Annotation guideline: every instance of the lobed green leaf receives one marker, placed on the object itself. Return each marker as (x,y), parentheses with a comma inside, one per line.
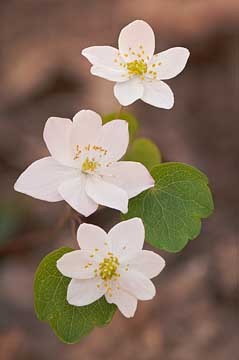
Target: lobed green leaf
(173,209)
(70,323)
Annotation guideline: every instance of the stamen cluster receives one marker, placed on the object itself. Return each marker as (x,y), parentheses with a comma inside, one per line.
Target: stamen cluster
(108,267)
(137,67)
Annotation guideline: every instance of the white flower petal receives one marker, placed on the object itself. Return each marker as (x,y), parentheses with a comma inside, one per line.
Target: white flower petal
(109,74)
(129,91)
(92,237)
(114,137)
(87,125)
(107,194)
(42,179)
(107,62)
(77,265)
(158,94)
(86,122)
(131,176)
(147,262)
(127,237)
(125,302)
(137,284)
(137,38)
(84,292)
(73,192)
(102,56)
(170,63)
(56,134)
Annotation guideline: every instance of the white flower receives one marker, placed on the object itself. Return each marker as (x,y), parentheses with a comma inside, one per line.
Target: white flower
(83,168)
(134,67)
(113,265)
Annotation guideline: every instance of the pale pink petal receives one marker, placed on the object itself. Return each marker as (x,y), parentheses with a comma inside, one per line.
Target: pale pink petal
(137,284)
(107,194)
(42,179)
(127,237)
(86,128)
(77,265)
(73,192)
(86,123)
(137,41)
(93,238)
(131,176)
(114,138)
(84,292)
(125,302)
(128,91)
(158,94)
(168,64)
(56,134)
(106,62)
(147,262)
(106,56)
(109,74)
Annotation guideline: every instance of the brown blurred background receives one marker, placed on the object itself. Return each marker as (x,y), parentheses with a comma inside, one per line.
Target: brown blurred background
(195,313)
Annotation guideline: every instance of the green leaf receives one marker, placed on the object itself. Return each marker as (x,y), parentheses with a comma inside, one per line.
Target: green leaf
(131,119)
(144,151)
(70,323)
(171,211)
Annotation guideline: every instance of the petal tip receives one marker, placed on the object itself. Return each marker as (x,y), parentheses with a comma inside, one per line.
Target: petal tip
(70,300)
(187,51)
(125,210)
(15,186)
(58,264)
(84,51)
(93,70)
(170,106)
(151,181)
(19,185)
(129,315)
(139,21)
(163,262)
(138,219)
(80,228)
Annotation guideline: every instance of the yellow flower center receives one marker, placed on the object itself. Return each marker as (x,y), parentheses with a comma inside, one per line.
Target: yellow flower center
(108,267)
(137,67)
(89,165)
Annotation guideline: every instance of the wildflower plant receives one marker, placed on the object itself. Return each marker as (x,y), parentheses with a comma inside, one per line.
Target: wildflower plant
(98,161)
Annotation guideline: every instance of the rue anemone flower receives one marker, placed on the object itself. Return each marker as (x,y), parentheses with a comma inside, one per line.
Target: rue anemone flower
(138,73)
(83,168)
(113,265)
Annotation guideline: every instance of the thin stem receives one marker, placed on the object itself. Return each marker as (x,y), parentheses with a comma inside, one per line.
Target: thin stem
(119,112)
(73,228)
(62,220)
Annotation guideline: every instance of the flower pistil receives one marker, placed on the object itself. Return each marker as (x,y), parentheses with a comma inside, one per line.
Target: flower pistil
(89,165)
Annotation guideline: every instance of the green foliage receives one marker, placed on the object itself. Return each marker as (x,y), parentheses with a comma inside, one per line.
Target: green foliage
(70,323)
(144,151)
(171,211)
(131,119)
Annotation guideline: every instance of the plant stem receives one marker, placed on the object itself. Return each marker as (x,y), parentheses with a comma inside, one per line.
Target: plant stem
(119,112)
